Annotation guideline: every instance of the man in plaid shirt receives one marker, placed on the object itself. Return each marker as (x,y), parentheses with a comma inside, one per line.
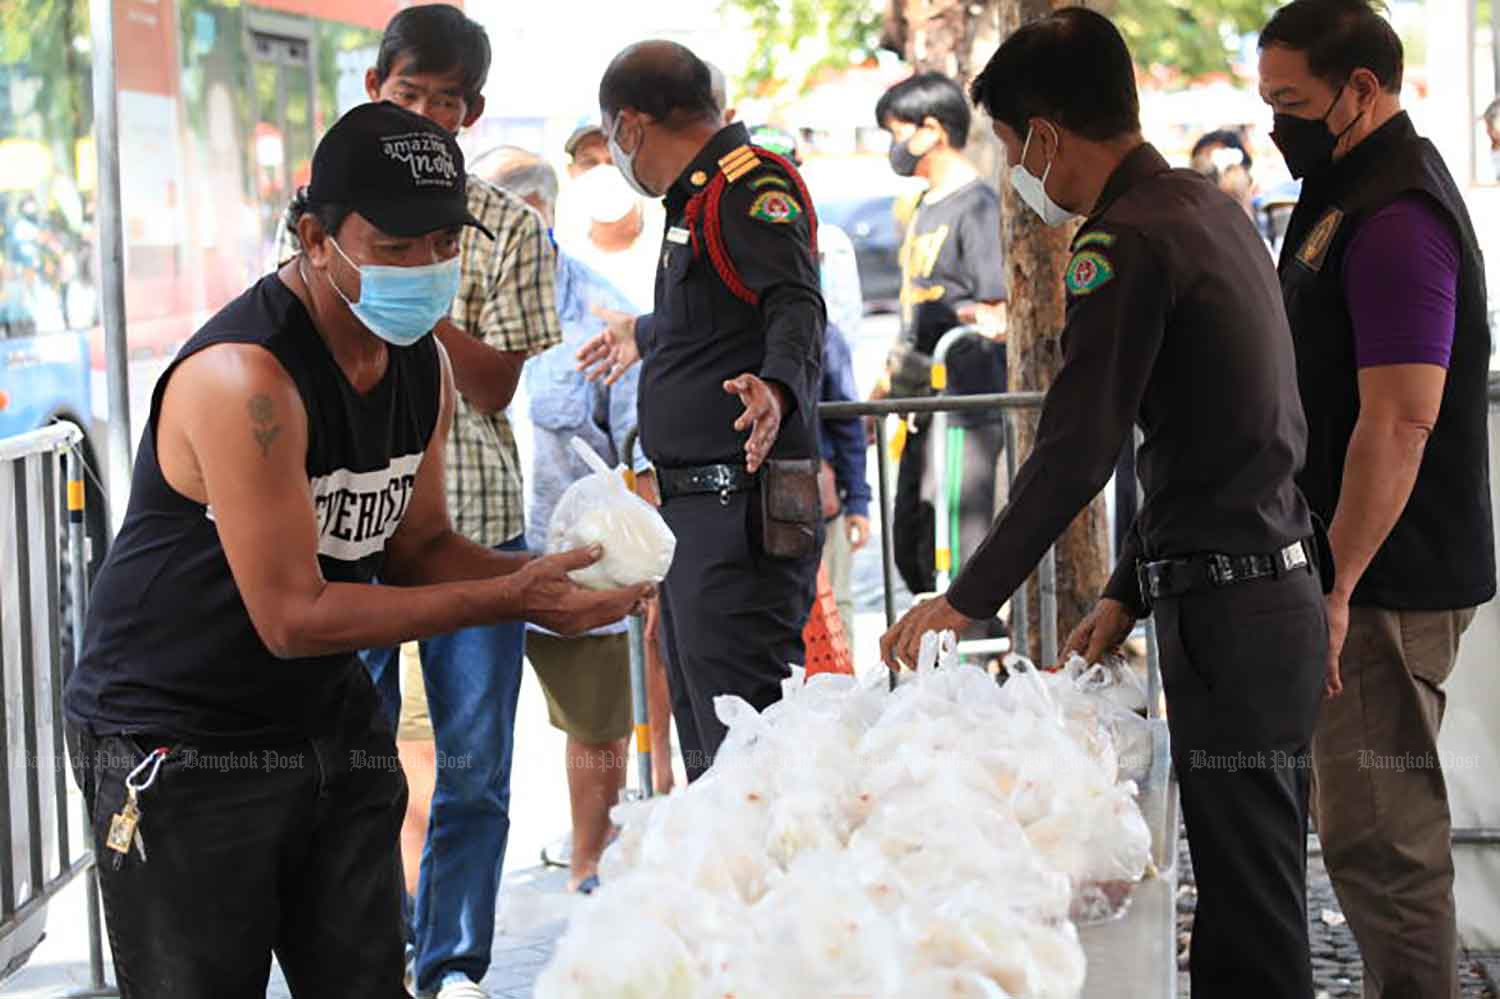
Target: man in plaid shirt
(433,60)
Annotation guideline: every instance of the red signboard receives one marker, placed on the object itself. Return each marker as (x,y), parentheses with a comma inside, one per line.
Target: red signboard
(365,13)
(146,26)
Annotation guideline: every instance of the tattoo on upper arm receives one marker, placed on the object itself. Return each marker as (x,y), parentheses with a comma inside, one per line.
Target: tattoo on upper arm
(266,429)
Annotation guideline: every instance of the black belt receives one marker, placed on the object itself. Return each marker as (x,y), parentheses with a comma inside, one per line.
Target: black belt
(1174,577)
(723,480)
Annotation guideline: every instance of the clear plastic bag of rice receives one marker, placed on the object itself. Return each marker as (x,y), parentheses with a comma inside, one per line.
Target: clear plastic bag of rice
(600,509)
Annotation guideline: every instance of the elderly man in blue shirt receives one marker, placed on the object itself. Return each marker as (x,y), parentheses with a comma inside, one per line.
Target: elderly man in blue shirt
(586,680)
(843,441)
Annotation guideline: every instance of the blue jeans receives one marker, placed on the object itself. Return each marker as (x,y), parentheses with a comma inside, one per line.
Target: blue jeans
(473,681)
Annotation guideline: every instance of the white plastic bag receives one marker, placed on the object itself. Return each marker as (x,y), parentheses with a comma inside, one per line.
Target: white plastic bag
(934,840)
(599,509)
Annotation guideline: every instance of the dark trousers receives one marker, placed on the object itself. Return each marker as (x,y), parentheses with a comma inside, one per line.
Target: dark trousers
(732,616)
(913,515)
(1243,669)
(253,851)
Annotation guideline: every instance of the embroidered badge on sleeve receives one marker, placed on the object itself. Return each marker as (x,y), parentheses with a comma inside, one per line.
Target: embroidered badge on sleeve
(775,206)
(1088,271)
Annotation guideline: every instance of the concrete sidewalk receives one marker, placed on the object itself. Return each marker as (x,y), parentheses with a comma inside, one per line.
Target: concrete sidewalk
(539,815)
(531,920)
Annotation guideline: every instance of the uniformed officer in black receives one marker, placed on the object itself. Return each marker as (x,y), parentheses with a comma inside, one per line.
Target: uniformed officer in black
(729,384)
(1175,322)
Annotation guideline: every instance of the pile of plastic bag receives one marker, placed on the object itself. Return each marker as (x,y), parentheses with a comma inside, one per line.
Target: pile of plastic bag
(937,840)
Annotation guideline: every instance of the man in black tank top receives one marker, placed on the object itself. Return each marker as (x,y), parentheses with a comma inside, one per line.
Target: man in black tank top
(223,726)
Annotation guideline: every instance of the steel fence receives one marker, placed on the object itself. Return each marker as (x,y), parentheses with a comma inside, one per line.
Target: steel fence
(41,850)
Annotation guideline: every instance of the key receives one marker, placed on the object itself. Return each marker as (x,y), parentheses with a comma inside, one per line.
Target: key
(140,844)
(122,828)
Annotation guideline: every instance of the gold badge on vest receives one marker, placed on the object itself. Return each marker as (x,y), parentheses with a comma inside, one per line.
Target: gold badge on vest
(1315,247)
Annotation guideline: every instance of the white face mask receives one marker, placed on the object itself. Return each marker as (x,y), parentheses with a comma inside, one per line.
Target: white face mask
(1033,189)
(625,163)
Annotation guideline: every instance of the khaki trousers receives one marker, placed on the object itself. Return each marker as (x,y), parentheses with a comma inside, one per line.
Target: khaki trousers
(838,559)
(1381,804)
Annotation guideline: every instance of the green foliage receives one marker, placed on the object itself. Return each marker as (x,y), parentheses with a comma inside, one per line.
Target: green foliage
(797,39)
(39,46)
(1193,37)
(794,39)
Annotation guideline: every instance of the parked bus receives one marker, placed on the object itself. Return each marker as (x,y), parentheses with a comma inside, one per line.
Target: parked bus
(220,105)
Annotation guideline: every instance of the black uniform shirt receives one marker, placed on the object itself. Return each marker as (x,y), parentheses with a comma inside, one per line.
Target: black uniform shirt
(1175,320)
(701,334)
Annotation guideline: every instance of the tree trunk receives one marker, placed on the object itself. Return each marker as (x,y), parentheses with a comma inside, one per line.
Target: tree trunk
(1035,257)
(957,37)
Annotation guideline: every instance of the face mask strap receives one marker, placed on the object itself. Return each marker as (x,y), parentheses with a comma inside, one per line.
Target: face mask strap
(1335,103)
(1352,122)
(1047,170)
(1026,146)
(614,136)
(328,273)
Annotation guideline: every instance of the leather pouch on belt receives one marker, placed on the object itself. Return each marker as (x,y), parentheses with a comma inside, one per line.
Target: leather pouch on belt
(792,508)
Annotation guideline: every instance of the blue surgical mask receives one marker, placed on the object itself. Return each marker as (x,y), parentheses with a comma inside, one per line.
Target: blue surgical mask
(401,305)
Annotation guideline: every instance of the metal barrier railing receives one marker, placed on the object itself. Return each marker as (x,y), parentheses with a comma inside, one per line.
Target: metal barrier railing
(640,700)
(941,406)
(31,685)
(1007,403)
(949,471)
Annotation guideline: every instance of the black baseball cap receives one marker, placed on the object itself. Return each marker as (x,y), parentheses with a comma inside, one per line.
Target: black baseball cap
(402,172)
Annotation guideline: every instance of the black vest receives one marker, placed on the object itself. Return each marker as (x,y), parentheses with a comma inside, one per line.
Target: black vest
(1441,553)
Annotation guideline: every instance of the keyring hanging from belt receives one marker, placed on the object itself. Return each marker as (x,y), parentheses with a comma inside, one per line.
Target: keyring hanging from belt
(153,760)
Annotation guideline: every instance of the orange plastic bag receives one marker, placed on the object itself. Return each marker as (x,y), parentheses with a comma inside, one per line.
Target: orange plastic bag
(823,635)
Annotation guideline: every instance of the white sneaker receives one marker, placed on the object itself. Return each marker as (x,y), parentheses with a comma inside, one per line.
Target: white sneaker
(461,988)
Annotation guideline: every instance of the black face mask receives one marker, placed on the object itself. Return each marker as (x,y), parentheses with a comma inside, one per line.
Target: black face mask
(1306,143)
(903,160)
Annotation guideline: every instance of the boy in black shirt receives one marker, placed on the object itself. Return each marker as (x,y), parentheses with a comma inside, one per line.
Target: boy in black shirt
(952,274)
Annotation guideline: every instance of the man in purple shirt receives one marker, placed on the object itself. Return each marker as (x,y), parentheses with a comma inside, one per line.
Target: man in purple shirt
(1400,280)
(1384,287)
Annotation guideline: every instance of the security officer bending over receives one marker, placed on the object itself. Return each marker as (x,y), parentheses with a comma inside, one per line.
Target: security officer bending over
(1175,321)
(729,388)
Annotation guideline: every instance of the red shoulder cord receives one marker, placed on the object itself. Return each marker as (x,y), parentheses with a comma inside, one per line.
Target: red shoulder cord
(705,206)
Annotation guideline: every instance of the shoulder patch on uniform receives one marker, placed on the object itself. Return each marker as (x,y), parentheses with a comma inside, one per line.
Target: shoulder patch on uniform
(775,206)
(1314,249)
(1094,239)
(769,180)
(1088,271)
